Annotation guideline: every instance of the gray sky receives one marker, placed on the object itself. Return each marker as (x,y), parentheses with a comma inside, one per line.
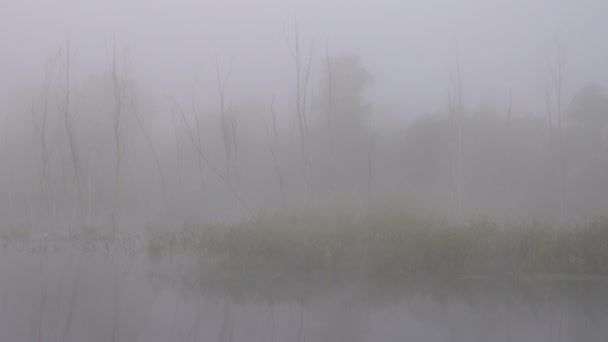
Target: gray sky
(408,45)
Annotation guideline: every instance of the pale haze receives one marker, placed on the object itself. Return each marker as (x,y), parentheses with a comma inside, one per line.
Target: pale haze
(303,171)
(408,45)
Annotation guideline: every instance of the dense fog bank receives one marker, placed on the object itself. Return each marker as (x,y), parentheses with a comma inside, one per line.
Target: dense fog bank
(107,123)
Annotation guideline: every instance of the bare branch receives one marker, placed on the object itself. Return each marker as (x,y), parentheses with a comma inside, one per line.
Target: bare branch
(227,117)
(272,146)
(119,88)
(201,153)
(329,96)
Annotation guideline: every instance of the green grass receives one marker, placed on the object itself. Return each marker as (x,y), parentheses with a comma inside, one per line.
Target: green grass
(388,245)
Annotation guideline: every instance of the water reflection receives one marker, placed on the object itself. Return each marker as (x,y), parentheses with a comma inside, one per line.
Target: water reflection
(110,292)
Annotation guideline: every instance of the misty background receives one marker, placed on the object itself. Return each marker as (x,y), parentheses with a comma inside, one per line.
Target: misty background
(118,112)
(303,170)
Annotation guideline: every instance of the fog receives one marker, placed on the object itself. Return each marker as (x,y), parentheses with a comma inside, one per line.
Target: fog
(407,46)
(151,123)
(505,54)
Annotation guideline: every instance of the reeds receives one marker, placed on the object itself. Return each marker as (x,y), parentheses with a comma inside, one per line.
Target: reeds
(389,244)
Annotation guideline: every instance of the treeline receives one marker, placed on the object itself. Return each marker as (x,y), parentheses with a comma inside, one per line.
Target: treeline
(99,151)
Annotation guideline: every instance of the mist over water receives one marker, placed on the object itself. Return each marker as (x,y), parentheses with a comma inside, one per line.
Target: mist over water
(77,294)
(303,170)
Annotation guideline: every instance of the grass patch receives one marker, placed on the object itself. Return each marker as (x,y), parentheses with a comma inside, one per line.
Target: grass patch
(388,245)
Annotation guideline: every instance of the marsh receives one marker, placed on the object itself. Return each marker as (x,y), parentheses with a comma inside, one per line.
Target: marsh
(303,170)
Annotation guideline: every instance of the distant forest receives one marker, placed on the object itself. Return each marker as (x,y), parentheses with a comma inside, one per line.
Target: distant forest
(99,151)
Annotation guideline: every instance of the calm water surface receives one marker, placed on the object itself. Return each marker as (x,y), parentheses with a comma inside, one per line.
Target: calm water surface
(61,292)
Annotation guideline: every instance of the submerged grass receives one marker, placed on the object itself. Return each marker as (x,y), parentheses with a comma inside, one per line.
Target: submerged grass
(388,245)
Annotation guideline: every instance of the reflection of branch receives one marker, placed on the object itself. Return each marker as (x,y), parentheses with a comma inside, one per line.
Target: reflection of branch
(194,330)
(116,303)
(272,321)
(71,306)
(201,153)
(43,300)
(225,321)
(301,328)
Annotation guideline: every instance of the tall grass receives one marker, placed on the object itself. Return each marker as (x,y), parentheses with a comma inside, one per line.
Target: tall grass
(389,245)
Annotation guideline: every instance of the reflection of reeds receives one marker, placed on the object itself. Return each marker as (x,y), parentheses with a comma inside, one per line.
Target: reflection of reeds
(272,321)
(36,329)
(87,241)
(71,305)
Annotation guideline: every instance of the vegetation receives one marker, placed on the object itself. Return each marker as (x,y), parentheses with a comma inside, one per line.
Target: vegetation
(106,151)
(389,245)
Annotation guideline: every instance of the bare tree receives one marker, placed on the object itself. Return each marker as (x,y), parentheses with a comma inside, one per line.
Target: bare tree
(150,144)
(330,102)
(40,120)
(273,147)
(199,139)
(548,106)
(119,91)
(295,53)
(303,68)
(199,150)
(556,68)
(330,119)
(306,115)
(199,142)
(456,117)
(233,115)
(228,117)
(508,159)
(69,119)
(177,150)
(9,180)
(370,169)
